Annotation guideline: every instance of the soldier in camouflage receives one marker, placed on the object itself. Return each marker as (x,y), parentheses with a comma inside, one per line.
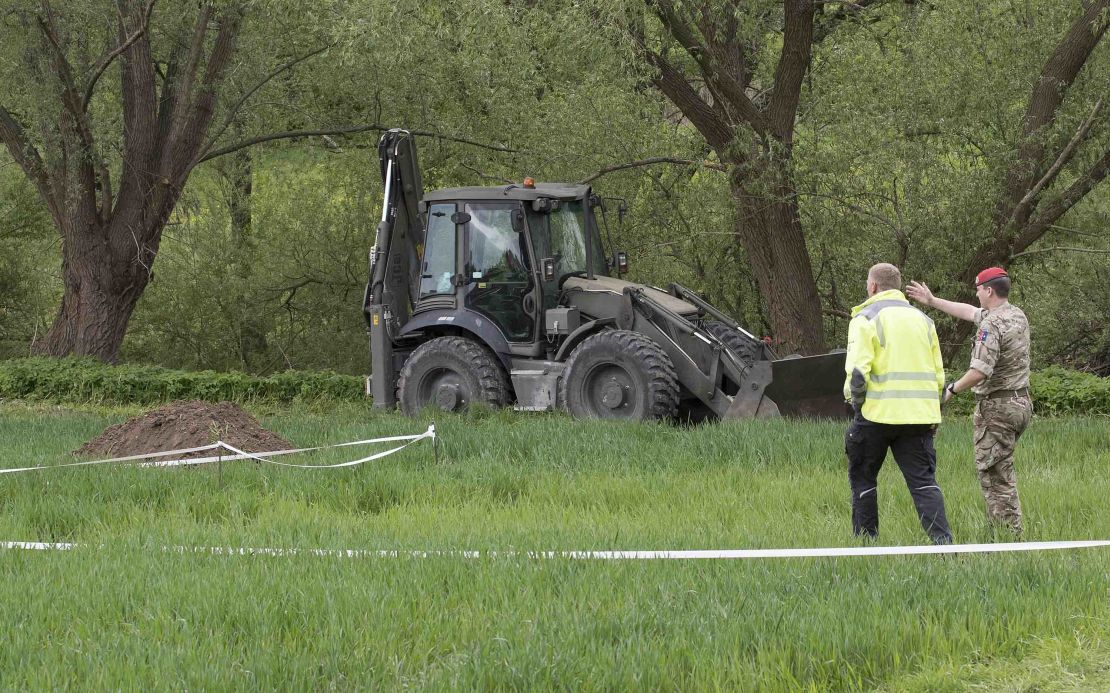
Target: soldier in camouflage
(999,378)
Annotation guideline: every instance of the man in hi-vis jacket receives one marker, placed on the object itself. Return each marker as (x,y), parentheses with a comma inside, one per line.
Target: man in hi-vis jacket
(894,381)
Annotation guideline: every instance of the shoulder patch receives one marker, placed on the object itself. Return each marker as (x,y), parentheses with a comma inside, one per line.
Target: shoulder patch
(983,335)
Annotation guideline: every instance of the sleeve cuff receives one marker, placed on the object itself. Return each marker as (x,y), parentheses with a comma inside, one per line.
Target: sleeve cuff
(982,366)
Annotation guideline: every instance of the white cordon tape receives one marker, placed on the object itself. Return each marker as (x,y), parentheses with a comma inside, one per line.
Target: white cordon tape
(114,460)
(238,454)
(833,552)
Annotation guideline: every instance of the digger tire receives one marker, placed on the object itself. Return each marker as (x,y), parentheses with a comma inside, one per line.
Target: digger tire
(749,350)
(451,373)
(618,374)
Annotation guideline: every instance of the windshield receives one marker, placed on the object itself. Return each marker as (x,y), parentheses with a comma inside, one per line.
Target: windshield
(568,242)
(568,237)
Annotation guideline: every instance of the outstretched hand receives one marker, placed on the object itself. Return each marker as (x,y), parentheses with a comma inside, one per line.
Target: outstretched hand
(919,292)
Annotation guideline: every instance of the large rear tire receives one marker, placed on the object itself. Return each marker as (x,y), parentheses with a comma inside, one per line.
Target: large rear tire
(619,374)
(451,373)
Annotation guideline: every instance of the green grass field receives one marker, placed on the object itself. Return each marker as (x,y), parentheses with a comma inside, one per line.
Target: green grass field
(123,614)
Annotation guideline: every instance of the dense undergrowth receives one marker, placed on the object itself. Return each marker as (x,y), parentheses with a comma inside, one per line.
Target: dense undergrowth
(1056,391)
(77,380)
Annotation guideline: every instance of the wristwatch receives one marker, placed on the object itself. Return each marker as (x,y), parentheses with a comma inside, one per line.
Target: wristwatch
(950,388)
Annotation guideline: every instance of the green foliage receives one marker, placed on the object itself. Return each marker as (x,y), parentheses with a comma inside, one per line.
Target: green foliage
(908,119)
(25,255)
(1057,391)
(1065,294)
(285,293)
(909,123)
(89,380)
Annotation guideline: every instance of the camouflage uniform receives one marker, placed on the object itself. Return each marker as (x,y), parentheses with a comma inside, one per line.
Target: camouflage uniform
(1003,409)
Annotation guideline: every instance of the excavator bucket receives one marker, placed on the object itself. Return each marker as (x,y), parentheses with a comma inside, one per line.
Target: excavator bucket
(809,386)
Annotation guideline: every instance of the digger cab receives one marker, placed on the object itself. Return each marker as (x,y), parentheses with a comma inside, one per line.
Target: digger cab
(496,257)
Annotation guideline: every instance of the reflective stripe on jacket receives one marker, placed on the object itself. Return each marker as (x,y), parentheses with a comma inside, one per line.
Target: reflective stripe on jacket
(893,364)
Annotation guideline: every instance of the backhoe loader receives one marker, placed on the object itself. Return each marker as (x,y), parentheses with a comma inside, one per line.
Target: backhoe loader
(505,296)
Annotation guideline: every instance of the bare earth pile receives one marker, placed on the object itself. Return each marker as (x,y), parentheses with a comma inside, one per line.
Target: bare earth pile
(186,424)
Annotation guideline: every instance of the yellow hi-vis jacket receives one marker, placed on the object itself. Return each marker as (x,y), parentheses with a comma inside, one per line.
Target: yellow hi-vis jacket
(893,364)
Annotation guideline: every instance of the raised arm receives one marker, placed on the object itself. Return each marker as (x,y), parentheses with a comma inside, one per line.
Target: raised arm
(921,293)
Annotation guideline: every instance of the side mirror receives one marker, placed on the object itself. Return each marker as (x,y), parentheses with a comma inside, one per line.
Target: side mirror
(518,220)
(620,261)
(548,269)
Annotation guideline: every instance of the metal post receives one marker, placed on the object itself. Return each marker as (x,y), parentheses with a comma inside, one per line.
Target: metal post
(435,443)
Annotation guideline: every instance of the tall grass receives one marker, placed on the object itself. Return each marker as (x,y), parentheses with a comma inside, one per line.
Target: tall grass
(127,615)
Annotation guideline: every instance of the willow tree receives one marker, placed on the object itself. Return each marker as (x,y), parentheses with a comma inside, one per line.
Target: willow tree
(108,108)
(952,136)
(1051,169)
(735,71)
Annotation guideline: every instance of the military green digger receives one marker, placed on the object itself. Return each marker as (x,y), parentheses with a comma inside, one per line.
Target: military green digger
(504,296)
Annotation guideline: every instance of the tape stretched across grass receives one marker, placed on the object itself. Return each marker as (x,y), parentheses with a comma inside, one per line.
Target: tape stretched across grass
(830,552)
(150,459)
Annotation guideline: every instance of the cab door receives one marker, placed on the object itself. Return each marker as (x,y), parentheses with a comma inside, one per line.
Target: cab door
(498,273)
(438,257)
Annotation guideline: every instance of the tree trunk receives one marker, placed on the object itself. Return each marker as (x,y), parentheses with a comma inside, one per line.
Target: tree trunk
(251,327)
(770,232)
(109,240)
(718,102)
(103,281)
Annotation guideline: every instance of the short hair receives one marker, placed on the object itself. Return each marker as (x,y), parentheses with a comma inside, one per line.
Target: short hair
(886,276)
(1001,286)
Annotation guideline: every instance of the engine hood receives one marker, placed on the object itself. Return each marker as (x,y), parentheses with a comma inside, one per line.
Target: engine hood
(617,286)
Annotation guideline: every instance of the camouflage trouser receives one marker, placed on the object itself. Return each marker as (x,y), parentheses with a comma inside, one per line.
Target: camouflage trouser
(998,425)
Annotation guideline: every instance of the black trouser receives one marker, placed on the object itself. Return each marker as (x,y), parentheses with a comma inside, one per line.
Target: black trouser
(867,443)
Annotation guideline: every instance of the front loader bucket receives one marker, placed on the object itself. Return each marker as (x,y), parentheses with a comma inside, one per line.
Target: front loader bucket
(809,386)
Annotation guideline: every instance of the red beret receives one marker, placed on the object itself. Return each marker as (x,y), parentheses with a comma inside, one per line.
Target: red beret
(989,274)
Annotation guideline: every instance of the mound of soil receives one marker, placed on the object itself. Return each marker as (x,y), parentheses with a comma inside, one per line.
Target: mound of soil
(185,424)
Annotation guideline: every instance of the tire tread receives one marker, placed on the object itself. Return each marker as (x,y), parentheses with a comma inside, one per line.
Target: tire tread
(662,379)
(493,383)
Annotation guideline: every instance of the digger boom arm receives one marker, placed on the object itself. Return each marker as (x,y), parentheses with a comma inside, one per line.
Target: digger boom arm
(702,361)
(394,259)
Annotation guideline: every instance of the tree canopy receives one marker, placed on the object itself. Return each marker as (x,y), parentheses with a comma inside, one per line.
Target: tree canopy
(206,174)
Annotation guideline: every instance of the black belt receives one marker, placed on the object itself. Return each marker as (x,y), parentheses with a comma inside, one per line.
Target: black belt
(1006,394)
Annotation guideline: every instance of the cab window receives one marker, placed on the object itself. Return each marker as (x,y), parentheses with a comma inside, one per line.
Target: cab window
(497,269)
(438,265)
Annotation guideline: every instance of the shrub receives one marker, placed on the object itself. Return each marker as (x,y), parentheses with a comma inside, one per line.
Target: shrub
(88,380)
(1056,391)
